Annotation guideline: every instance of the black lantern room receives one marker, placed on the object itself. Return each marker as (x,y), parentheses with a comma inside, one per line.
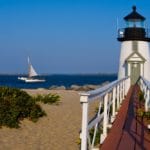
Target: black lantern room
(135,29)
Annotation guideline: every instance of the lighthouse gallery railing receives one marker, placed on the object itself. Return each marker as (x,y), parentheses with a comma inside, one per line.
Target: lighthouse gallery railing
(109,97)
(121,32)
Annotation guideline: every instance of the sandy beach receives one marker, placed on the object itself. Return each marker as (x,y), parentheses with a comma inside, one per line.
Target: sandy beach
(58,130)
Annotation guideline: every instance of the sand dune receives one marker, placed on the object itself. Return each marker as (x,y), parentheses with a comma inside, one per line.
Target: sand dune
(58,130)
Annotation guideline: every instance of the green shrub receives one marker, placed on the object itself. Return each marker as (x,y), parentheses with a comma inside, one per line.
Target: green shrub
(98,134)
(16,105)
(48,99)
(141,96)
(36,112)
(147,115)
(140,112)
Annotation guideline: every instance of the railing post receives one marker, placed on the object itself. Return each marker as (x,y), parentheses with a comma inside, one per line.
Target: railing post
(118,104)
(141,85)
(123,89)
(114,105)
(84,132)
(145,91)
(147,100)
(121,96)
(105,120)
(127,85)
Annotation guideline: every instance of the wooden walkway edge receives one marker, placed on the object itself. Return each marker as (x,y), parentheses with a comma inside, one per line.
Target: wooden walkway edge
(128,132)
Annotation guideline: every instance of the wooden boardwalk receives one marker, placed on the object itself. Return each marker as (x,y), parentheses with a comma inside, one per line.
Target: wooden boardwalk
(128,131)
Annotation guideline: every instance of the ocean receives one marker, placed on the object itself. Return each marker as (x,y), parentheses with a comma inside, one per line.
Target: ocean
(57,80)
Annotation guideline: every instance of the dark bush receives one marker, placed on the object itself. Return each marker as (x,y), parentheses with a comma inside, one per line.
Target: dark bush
(141,96)
(36,112)
(16,105)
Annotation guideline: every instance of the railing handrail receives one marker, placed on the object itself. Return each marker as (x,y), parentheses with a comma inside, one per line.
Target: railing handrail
(102,90)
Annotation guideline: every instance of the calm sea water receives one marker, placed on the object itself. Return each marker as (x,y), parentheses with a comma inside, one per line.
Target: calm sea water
(58,80)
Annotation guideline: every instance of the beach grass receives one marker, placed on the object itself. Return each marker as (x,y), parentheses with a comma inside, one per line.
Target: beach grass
(47,99)
(15,105)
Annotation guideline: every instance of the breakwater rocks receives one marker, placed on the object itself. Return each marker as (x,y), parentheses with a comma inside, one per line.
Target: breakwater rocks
(87,87)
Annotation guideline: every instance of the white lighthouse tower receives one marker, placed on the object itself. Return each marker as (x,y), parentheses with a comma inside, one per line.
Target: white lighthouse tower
(134,55)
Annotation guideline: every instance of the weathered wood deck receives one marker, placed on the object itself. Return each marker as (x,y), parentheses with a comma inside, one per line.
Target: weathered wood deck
(128,131)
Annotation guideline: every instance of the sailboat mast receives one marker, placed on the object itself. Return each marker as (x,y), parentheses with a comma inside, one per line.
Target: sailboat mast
(29,67)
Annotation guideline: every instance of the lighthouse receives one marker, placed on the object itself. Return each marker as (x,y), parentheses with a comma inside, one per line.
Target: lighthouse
(134,54)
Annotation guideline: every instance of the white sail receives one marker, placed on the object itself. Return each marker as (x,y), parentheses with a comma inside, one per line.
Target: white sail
(32,71)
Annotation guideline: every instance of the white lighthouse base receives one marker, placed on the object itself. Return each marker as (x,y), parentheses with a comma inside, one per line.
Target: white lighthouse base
(134,61)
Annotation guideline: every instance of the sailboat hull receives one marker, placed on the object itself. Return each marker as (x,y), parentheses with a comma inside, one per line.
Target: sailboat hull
(30,80)
(22,78)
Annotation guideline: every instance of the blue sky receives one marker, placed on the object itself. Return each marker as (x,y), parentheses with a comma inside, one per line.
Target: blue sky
(63,36)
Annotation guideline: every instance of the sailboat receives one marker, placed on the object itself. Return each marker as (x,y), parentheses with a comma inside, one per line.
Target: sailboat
(31,74)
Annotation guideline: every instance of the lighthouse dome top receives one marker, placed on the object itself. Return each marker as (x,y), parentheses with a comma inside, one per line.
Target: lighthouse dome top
(134,15)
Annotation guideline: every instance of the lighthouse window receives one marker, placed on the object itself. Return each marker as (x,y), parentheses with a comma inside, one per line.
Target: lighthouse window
(134,46)
(132,24)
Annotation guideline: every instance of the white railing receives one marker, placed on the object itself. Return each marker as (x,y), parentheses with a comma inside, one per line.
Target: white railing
(145,87)
(110,98)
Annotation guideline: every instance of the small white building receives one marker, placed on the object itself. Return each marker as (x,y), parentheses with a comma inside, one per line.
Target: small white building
(134,55)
